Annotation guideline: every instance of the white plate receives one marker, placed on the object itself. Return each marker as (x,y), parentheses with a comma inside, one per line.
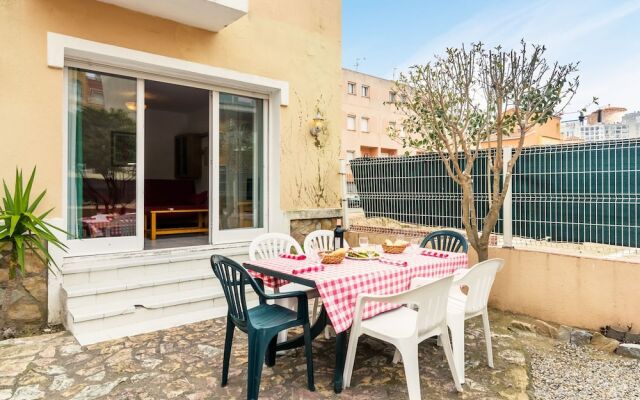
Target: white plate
(362,259)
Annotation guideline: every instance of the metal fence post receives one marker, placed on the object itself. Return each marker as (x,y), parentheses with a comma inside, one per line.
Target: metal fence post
(345,197)
(507,218)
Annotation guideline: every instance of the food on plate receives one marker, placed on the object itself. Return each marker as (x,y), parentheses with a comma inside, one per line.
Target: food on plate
(363,254)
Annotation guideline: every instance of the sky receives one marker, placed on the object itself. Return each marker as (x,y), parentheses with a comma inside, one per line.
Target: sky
(386,36)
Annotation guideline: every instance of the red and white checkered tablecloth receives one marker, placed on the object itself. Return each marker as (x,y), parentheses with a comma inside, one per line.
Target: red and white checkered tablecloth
(339,285)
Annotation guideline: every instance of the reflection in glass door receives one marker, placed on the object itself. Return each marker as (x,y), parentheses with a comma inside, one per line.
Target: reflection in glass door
(102,134)
(241,160)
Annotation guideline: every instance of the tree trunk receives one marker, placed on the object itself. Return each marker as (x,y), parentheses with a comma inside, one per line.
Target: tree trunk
(483,251)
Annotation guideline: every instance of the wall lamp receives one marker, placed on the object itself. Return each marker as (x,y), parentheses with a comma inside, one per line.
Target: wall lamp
(318,124)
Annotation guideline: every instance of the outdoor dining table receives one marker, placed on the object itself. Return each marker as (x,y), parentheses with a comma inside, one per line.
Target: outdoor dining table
(340,284)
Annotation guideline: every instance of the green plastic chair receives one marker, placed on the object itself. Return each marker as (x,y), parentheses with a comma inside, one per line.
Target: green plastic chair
(446,240)
(261,323)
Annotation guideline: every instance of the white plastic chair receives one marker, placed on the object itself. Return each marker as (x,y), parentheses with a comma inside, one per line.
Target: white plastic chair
(405,328)
(478,280)
(271,245)
(314,242)
(320,240)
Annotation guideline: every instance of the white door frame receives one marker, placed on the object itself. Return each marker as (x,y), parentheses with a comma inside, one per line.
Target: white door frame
(240,234)
(64,51)
(87,246)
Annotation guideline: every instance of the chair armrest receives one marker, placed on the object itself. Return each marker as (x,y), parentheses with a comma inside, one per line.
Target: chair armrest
(303,307)
(398,299)
(460,273)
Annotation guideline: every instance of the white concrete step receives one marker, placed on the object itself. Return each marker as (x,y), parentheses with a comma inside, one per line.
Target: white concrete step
(106,297)
(81,270)
(106,292)
(92,323)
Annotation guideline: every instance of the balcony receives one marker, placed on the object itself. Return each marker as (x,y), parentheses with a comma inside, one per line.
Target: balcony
(212,15)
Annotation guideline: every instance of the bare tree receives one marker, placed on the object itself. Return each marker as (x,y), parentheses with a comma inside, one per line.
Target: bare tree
(472,99)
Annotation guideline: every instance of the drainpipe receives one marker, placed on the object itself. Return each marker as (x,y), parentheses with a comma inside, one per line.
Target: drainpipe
(345,200)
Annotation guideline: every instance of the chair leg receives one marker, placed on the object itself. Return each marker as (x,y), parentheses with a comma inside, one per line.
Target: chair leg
(456,325)
(228,340)
(270,356)
(327,332)
(309,355)
(411,370)
(487,336)
(397,357)
(446,345)
(350,359)
(257,347)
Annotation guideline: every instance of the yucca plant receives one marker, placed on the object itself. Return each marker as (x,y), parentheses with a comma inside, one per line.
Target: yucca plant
(22,227)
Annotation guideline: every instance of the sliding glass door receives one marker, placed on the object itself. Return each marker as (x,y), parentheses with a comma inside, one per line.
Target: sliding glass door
(205,155)
(241,167)
(103,132)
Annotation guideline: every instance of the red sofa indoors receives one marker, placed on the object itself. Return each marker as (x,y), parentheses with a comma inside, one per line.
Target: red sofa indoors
(179,194)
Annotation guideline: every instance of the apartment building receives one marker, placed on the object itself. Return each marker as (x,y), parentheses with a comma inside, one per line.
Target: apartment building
(608,123)
(367,117)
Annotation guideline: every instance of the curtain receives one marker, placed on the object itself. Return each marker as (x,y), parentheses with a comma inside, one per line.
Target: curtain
(75,162)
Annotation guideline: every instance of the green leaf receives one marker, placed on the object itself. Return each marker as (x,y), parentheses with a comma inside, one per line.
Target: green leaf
(8,199)
(36,202)
(14,223)
(27,190)
(22,227)
(18,248)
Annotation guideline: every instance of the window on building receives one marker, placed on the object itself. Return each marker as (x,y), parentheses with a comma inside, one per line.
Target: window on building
(351,88)
(365,91)
(351,154)
(388,152)
(392,96)
(364,124)
(351,122)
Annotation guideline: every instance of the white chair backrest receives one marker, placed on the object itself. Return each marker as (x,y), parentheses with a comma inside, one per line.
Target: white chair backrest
(271,245)
(479,280)
(432,302)
(321,240)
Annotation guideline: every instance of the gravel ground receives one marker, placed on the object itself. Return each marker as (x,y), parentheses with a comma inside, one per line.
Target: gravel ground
(566,371)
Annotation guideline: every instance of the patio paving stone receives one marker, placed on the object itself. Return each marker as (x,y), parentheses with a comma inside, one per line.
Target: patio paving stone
(185,363)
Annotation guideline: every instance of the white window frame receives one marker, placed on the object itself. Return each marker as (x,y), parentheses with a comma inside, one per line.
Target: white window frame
(66,51)
(104,244)
(351,117)
(366,124)
(351,85)
(365,91)
(351,154)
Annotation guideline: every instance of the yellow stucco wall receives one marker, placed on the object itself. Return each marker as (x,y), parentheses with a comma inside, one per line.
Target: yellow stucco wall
(291,40)
(572,290)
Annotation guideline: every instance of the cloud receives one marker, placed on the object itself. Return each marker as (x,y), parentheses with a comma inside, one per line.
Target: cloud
(572,30)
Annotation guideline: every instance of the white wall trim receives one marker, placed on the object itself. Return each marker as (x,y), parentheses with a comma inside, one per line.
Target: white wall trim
(61,47)
(65,50)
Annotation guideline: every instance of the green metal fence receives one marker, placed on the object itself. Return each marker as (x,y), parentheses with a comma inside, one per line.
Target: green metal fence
(573,193)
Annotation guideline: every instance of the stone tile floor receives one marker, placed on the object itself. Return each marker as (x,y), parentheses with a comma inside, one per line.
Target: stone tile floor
(185,363)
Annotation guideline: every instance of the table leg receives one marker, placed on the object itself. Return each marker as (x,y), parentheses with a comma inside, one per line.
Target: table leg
(341,352)
(153,225)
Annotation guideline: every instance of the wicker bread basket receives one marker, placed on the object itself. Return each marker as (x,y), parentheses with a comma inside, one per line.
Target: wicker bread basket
(328,258)
(393,249)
